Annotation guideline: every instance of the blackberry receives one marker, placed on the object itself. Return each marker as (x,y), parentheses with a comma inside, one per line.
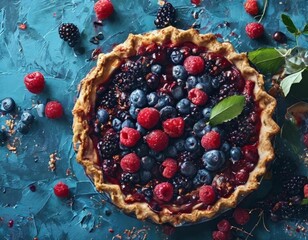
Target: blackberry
(284,167)
(182,184)
(109,167)
(109,145)
(109,99)
(69,32)
(130,178)
(295,185)
(289,211)
(185,156)
(165,16)
(226,90)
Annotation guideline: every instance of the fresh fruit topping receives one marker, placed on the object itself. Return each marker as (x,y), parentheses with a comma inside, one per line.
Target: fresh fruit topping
(109,144)
(235,153)
(197,96)
(179,72)
(224,225)
(7,105)
(147,163)
(138,98)
(213,160)
(69,32)
(250,153)
(203,177)
(170,167)
(176,56)
(254,30)
(109,167)
(306,191)
(61,190)
(207,194)
(157,140)
(103,9)
(148,117)
(194,65)
(129,137)
(163,191)
(188,169)
(241,216)
(191,144)
(53,110)
(280,37)
(130,163)
(174,127)
(35,82)
(102,116)
(165,16)
(211,140)
(183,106)
(241,177)
(251,7)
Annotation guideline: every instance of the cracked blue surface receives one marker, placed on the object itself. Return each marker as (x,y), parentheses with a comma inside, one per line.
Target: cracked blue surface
(38,48)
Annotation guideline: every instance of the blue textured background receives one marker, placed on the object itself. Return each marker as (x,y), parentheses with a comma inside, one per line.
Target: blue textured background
(38,48)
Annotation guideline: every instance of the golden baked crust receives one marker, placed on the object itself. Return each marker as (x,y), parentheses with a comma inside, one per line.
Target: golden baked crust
(108,63)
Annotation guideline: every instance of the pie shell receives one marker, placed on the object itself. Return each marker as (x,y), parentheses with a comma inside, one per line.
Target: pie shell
(107,63)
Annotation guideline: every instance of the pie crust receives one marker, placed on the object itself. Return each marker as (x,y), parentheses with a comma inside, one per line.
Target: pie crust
(108,63)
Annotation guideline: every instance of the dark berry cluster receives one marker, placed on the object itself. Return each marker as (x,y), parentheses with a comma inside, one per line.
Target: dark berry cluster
(69,32)
(165,16)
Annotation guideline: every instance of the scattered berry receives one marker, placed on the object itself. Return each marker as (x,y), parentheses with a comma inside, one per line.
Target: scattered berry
(280,37)
(53,110)
(197,96)
(130,163)
(207,194)
(61,190)
(148,117)
(69,32)
(163,191)
(157,140)
(196,2)
(251,7)
(294,186)
(211,140)
(26,117)
(241,216)
(170,167)
(224,225)
(254,30)
(174,127)
(7,105)
(165,16)
(3,136)
(35,82)
(129,137)
(219,235)
(306,191)
(194,65)
(103,9)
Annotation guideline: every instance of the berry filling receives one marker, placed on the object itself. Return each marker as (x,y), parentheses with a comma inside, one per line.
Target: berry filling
(152,132)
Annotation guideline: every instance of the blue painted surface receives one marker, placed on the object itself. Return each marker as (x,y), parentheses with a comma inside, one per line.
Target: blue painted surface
(38,48)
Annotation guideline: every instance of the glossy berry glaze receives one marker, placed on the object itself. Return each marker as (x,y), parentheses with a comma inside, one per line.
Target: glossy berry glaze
(151,128)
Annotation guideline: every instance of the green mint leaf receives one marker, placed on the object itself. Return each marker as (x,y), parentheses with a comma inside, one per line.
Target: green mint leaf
(304,201)
(291,134)
(227,109)
(305,30)
(267,60)
(290,24)
(287,82)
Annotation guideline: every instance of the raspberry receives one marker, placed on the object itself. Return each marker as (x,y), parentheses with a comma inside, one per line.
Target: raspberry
(194,65)
(254,30)
(241,216)
(170,167)
(219,235)
(207,194)
(306,191)
(34,82)
(211,140)
(148,117)
(196,2)
(157,140)
(69,32)
(129,137)
(130,163)
(103,9)
(174,127)
(53,110)
(306,140)
(197,96)
(61,190)
(251,7)
(224,225)
(163,191)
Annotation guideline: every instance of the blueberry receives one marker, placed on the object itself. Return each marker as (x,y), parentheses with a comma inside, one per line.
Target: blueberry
(180,144)
(138,98)
(145,177)
(3,136)
(7,105)
(188,169)
(199,127)
(102,116)
(191,144)
(215,83)
(22,128)
(124,148)
(128,123)
(177,92)
(147,162)
(133,111)
(203,177)
(191,82)
(142,150)
(152,99)
(163,101)
(183,106)
(141,129)
(208,128)
(116,124)
(235,153)
(167,112)
(159,156)
(206,112)
(176,56)
(205,85)
(225,148)
(156,68)
(27,118)
(213,160)
(204,79)
(179,72)
(171,151)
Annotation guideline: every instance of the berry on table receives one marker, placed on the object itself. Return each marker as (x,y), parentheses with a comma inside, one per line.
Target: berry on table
(251,7)
(197,96)
(34,82)
(148,117)
(220,235)
(224,225)
(254,30)
(174,127)
(207,194)
(165,16)
(241,216)
(157,140)
(103,9)
(22,127)
(7,105)
(164,191)
(53,110)
(170,167)
(26,117)
(211,140)
(69,32)
(280,37)
(130,163)
(61,190)
(194,65)
(129,137)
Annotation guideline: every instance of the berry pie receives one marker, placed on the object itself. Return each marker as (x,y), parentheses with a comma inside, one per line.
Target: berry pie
(142,126)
